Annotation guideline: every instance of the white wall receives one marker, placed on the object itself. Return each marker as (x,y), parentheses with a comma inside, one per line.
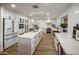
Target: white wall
(1,28)
(42,23)
(73,18)
(54,21)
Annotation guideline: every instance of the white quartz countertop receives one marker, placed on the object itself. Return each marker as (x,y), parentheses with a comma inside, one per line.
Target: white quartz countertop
(30,34)
(70,45)
(54,29)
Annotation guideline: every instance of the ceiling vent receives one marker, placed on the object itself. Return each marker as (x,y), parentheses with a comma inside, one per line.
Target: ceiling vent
(35,6)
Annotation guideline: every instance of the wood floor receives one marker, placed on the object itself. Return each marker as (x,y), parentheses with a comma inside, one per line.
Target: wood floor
(45,47)
(11,50)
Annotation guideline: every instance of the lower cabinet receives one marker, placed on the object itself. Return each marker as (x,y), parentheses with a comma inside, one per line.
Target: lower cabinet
(27,46)
(56,43)
(58,46)
(24,46)
(60,50)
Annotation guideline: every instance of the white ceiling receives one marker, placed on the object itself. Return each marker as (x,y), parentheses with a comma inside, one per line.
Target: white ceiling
(55,9)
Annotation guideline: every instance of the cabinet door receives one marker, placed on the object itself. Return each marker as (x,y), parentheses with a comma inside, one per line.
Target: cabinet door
(37,39)
(60,50)
(24,46)
(40,36)
(33,44)
(56,43)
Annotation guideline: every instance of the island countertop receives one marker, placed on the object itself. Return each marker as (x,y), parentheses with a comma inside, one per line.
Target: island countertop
(70,45)
(30,34)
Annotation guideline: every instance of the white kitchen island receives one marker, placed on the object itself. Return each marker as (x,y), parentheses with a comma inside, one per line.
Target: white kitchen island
(70,46)
(27,43)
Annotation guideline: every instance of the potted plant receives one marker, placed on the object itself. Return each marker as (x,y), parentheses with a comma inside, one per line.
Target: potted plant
(64,26)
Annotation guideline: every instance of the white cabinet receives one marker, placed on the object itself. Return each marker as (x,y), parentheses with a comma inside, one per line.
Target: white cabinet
(24,46)
(27,45)
(58,46)
(56,43)
(35,41)
(55,40)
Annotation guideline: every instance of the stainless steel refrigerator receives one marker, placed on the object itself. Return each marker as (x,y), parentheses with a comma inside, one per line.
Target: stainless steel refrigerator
(9,34)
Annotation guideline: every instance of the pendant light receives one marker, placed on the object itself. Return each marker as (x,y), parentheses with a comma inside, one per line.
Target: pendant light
(48,18)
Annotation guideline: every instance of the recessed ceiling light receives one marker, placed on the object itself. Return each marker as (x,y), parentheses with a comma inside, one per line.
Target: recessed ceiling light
(13,5)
